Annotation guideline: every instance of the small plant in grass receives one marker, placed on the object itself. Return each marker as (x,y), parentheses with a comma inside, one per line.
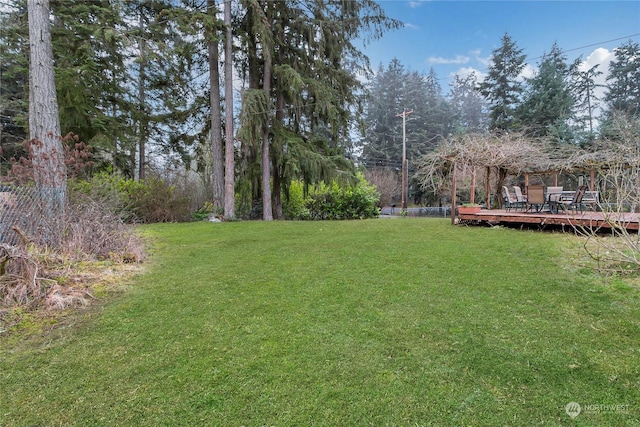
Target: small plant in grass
(204,212)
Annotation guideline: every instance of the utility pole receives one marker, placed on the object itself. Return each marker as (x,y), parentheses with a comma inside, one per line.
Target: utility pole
(404,115)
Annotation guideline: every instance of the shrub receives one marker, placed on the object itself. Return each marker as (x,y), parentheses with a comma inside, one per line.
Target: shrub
(332,201)
(159,201)
(152,200)
(295,206)
(112,188)
(58,272)
(204,212)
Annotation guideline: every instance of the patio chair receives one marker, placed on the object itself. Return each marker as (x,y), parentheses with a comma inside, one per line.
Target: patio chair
(521,197)
(576,202)
(554,195)
(510,199)
(535,198)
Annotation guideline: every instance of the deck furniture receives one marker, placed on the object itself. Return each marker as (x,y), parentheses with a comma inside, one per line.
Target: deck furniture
(511,200)
(535,198)
(521,197)
(554,195)
(576,202)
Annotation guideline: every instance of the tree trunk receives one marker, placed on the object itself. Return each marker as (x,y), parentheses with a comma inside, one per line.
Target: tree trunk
(276,196)
(216,124)
(267,211)
(277,172)
(49,169)
(142,119)
(229,172)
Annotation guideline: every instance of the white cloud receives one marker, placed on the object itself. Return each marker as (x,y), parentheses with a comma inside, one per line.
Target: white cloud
(459,59)
(465,72)
(484,60)
(601,57)
(527,72)
(414,4)
(411,26)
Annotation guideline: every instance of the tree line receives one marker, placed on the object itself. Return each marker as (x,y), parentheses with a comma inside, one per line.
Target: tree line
(141,82)
(559,103)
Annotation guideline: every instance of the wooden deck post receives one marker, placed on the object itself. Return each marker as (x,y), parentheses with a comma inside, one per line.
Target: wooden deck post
(488,189)
(453,194)
(472,190)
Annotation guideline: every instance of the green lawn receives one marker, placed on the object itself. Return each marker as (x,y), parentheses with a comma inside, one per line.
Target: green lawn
(390,322)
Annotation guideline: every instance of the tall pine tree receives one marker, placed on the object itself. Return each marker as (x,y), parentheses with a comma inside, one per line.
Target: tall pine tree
(315,88)
(468,106)
(501,88)
(548,103)
(623,94)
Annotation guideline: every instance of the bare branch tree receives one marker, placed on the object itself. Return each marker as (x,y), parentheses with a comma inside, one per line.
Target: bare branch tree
(499,153)
(618,169)
(387,183)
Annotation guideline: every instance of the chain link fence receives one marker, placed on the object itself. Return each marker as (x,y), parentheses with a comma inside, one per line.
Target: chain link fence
(19,208)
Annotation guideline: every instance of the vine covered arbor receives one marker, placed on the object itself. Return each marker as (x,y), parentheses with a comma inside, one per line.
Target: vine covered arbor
(472,168)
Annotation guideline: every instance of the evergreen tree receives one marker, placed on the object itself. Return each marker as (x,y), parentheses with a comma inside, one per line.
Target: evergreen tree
(586,101)
(392,91)
(501,88)
(119,79)
(549,100)
(468,106)
(213,29)
(383,137)
(439,115)
(47,155)
(623,94)
(14,81)
(91,76)
(315,87)
(229,154)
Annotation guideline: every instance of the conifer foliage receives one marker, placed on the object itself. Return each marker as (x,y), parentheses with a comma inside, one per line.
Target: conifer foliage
(138,81)
(501,87)
(132,82)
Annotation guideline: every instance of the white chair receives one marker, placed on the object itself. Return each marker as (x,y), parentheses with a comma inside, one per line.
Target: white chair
(510,199)
(521,197)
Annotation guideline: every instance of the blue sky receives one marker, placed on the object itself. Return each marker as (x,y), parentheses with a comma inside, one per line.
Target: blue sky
(459,36)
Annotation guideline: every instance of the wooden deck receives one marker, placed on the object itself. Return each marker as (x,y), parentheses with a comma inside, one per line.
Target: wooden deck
(591,219)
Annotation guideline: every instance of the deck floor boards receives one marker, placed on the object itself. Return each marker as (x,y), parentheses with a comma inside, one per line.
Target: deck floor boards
(592,219)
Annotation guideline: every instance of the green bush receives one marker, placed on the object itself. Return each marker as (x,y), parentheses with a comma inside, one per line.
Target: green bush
(204,212)
(332,201)
(159,201)
(295,207)
(109,188)
(152,200)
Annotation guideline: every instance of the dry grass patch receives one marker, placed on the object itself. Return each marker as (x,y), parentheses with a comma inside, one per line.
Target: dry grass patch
(38,288)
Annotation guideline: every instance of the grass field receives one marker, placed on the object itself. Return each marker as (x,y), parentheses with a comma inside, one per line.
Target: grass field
(390,322)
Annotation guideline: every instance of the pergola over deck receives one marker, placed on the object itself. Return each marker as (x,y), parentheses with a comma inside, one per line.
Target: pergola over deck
(513,154)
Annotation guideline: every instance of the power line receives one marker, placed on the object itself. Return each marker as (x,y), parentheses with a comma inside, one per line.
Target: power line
(563,51)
